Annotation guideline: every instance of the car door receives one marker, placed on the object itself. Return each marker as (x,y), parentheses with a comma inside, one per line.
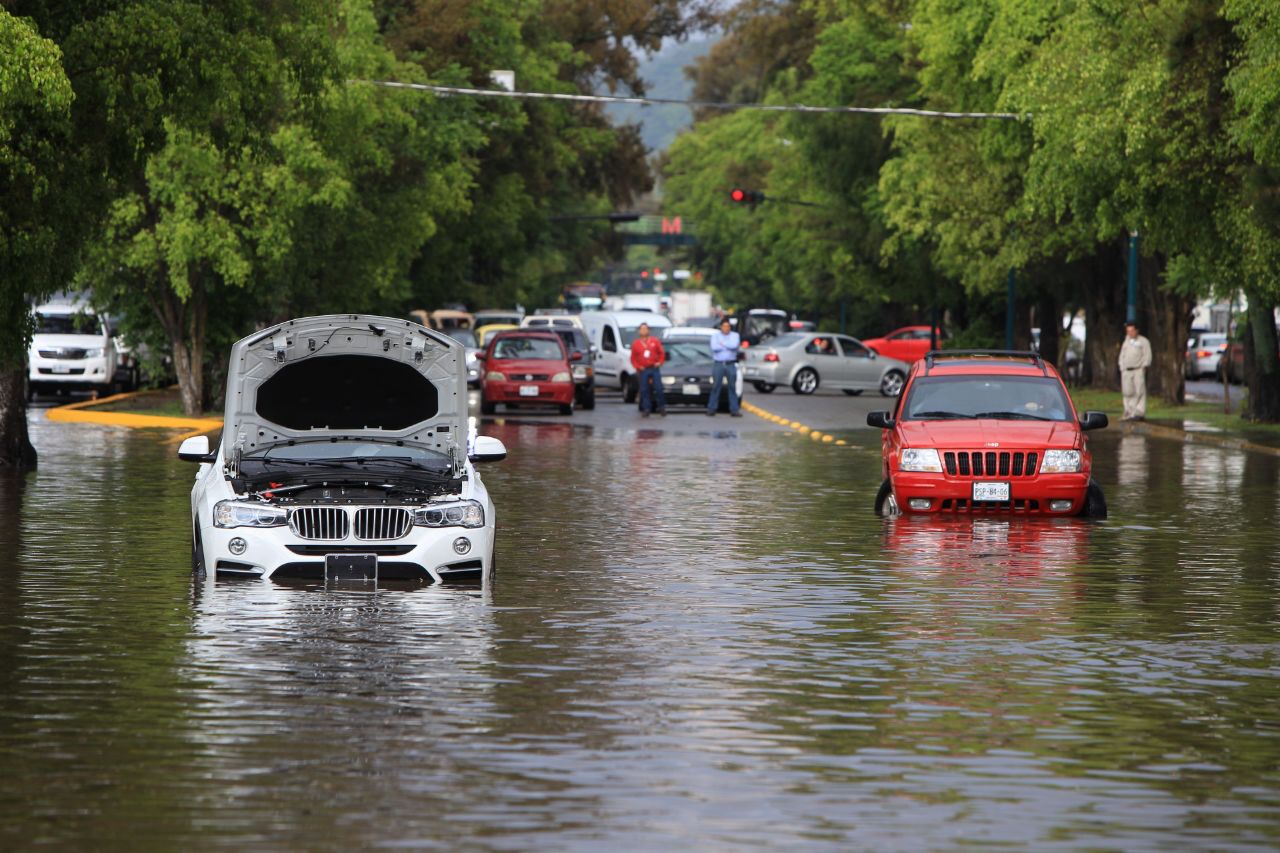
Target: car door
(861,370)
(609,363)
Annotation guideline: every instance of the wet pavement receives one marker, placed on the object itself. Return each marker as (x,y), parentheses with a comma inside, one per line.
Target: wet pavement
(700,637)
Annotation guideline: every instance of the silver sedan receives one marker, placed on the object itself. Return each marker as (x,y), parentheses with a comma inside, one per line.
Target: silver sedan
(805,360)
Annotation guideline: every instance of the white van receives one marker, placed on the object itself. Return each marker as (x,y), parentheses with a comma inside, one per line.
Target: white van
(611,333)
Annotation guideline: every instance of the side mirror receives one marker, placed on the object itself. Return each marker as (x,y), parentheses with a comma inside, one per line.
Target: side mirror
(881,420)
(488,449)
(196,449)
(480,356)
(592,349)
(1093,420)
(871,354)
(575,356)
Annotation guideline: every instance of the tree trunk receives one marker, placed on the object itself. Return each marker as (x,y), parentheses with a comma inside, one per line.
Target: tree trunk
(1168,323)
(184,323)
(1103,294)
(15,444)
(1261,364)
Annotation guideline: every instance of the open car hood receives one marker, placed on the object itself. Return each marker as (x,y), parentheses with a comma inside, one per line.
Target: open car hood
(346,375)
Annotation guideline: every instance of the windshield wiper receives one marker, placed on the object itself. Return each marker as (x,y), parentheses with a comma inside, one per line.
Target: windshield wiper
(1023,416)
(350,462)
(940,414)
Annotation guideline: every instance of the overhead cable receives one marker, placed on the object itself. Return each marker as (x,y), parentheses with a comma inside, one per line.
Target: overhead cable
(697,105)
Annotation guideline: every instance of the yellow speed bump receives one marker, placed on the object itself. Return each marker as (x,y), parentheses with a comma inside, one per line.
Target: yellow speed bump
(814,434)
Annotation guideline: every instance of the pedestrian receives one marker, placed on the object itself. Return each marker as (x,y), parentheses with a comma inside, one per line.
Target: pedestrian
(725,344)
(647,356)
(1135,358)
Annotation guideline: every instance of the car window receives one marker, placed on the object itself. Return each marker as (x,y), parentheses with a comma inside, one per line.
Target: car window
(853,349)
(538,348)
(686,352)
(68,324)
(608,342)
(901,336)
(1212,340)
(466,337)
(999,397)
(573,339)
(821,345)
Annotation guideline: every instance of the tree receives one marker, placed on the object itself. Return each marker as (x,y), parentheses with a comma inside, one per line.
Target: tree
(37,235)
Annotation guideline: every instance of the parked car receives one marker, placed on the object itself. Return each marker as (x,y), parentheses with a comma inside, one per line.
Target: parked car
(908,344)
(584,374)
(611,333)
(498,315)
(807,360)
(72,349)
(527,368)
(345,452)
(987,431)
(468,339)
(551,321)
(686,375)
(1204,354)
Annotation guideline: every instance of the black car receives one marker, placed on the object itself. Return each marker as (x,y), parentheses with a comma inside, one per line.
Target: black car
(584,372)
(686,375)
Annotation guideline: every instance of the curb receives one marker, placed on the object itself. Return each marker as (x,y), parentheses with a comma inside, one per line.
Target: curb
(816,435)
(83,413)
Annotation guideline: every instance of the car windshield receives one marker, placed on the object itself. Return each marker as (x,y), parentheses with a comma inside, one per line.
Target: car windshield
(686,352)
(1213,340)
(466,337)
(532,348)
(68,324)
(326,452)
(1002,397)
(572,339)
(486,319)
(630,333)
(766,324)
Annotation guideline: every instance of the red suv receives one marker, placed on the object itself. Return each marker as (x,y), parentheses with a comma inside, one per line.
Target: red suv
(527,369)
(983,431)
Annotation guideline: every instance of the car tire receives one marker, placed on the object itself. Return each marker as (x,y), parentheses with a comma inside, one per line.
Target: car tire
(886,503)
(1095,502)
(566,408)
(891,383)
(197,553)
(806,381)
(764,387)
(852,392)
(588,401)
(492,573)
(630,389)
(487,408)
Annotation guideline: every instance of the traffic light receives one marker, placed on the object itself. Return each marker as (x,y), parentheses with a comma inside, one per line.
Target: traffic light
(741,196)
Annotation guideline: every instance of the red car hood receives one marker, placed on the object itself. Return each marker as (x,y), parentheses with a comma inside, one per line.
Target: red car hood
(981,434)
(509,366)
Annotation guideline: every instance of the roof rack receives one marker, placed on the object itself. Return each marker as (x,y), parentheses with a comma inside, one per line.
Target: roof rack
(935,355)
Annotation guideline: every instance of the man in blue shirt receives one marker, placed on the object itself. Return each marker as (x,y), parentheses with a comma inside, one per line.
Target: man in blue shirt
(724,349)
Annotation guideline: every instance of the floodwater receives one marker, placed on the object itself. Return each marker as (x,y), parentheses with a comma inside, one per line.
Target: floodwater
(698,639)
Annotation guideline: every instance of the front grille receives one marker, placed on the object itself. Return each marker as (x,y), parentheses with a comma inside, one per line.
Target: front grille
(529,377)
(75,371)
(64,352)
(988,463)
(383,523)
(324,550)
(965,505)
(320,522)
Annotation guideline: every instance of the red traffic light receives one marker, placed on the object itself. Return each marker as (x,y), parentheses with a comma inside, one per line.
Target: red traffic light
(738,195)
(741,196)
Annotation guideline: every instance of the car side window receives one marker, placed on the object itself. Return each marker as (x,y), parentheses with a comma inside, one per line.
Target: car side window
(821,346)
(853,349)
(608,342)
(902,336)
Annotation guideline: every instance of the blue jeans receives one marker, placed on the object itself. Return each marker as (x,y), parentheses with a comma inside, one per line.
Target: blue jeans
(655,398)
(726,371)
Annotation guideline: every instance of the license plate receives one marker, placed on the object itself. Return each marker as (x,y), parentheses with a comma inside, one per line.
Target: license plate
(751,371)
(61,368)
(351,567)
(691,389)
(528,390)
(991,491)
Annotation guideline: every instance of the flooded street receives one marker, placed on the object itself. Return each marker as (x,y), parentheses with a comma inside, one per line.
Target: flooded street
(700,637)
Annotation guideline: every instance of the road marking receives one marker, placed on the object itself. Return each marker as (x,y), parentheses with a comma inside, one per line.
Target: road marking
(816,435)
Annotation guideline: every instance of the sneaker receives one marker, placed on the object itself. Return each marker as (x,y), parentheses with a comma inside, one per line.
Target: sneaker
(662,413)
(735,414)
(644,414)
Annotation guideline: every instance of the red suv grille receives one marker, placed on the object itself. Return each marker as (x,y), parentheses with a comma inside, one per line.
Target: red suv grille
(979,463)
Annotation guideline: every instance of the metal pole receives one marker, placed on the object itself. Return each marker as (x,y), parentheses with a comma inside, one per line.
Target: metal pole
(1131,315)
(1010,308)
(844,304)
(933,326)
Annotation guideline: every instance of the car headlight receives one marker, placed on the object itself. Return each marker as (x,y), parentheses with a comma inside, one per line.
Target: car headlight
(562,376)
(920,459)
(237,514)
(495,376)
(668,380)
(1060,462)
(96,352)
(462,514)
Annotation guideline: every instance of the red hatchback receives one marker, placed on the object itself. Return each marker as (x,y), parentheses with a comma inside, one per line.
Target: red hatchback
(987,431)
(527,368)
(909,344)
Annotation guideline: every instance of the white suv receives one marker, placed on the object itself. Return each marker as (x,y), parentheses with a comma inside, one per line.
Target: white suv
(71,350)
(346,452)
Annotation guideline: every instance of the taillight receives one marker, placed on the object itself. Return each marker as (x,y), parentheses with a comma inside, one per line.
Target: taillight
(1204,353)
(771,356)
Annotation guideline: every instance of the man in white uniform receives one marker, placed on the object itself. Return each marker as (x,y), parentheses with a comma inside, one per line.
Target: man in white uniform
(1135,358)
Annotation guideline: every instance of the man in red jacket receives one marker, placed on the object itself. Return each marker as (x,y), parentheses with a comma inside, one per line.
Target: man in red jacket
(647,357)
